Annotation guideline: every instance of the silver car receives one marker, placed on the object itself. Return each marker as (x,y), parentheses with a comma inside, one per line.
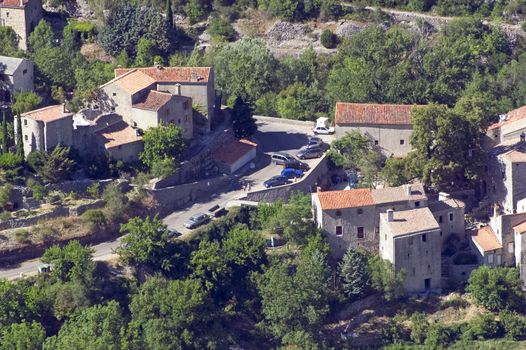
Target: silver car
(196,221)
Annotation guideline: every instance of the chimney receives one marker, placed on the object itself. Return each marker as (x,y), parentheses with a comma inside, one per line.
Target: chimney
(523,137)
(318,189)
(178,89)
(21,3)
(495,210)
(407,190)
(390,215)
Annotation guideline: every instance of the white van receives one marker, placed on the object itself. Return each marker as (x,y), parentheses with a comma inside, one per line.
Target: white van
(322,127)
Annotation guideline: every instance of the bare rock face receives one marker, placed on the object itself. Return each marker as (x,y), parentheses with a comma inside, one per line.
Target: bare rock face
(73,8)
(346,29)
(293,34)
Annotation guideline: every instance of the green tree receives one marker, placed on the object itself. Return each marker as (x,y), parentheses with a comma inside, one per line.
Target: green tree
(170,315)
(25,101)
(483,326)
(243,122)
(116,202)
(41,37)
(397,171)
(169,14)
(496,288)
(210,266)
(5,134)
(54,67)
(58,165)
(328,39)
(96,327)
(299,101)
(295,301)
(385,279)
(164,141)
(220,29)
(68,298)
(147,244)
(419,327)
(447,145)
(8,42)
(354,274)
(73,262)
(145,53)
(514,324)
(23,336)
(19,137)
(245,69)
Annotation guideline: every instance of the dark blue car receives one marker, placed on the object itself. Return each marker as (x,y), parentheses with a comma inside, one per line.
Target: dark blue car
(276,181)
(291,173)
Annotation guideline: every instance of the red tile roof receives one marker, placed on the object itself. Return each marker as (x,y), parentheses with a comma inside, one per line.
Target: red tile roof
(516,156)
(133,81)
(520,228)
(486,239)
(172,74)
(13,3)
(512,116)
(154,100)
(118,134)
(48,114)
(363,113)
(330,200)
(233,150)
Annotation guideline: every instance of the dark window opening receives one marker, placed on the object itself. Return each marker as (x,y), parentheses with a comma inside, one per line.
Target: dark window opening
(417,204)
(402,142)
(376,142)
(339,231)
(450,216)
(427,283)
(360,232)
(338,213)
(424,238)
(360,211)
(440,219)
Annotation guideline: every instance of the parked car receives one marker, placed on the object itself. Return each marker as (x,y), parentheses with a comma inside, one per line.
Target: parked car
(291,173)
(281,158)
(196,221)
(217,211)
(315,141)
(44,268)
(310,152)
(276,181)
(296,164)
(173,233)
(323,130)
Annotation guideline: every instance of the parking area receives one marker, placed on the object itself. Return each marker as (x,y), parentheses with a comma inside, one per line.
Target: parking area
(273,138)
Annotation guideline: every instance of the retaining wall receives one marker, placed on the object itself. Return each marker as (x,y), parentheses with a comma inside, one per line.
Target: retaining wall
(315,177)
(264,119)
(78,186)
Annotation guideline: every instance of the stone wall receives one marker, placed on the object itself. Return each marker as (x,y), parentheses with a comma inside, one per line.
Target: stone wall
(177,197)
(263,119)
(78,186)
(33,220)
(315,177)
(82,208)
(358,306)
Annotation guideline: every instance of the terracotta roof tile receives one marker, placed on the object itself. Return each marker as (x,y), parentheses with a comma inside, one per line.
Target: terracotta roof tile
(118,134)
(172,74)
(360,197)
(411,221)
(486,239)
(515,156)
(512,116)
(233,150)
(520,228)
(13,3)
(153,101)
(48,114)
(363,113)
(132,82)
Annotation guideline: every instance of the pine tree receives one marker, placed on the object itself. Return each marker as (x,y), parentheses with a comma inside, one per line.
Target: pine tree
(354,274)
(5,135)
(243,122)
(19,142)
(169,13)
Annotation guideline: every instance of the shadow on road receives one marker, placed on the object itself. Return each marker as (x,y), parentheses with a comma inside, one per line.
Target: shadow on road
(276,141)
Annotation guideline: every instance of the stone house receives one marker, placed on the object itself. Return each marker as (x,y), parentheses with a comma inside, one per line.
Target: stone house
(508,128)
(350,218)
(45,128)
(16,74)
(21,15)
(197,83)
(410,240)
(121,141)
(233,154)
(449,213)
(389,126)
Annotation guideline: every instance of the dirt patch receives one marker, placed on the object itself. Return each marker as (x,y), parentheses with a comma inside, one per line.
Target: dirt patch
(94,52)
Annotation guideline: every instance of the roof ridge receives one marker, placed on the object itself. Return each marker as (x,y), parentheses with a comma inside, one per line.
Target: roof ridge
(119,77)
(45,108)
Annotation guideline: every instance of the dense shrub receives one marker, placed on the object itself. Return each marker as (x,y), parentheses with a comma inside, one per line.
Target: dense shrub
(440,335)
(514,324)
(482,327)
(328,39)
(419,327)
(94,218)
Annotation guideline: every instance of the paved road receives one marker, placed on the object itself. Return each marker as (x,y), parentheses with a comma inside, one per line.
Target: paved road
(273,137)
(103,252)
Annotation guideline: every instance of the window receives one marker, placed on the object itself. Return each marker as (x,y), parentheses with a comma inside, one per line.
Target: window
(26,138)
(24,71)
(185,105)
(359,211)
(339,231)
(440,219)
(417,204)
(413,271)
(360,233)
(376,142)
(402,142)
(114,94)
(450,216)
(338,213)
(440,233)
(510,247)
(410,240)
(178,121)
(424,238)
(385,236)
(490,259)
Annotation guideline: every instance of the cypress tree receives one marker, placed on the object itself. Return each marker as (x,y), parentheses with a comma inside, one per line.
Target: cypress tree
(19,142)
(243,122)
(169,13)
(5,135)
(353,272)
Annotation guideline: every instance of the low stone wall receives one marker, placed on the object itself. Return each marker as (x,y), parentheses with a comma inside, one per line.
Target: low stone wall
(314,178)
(78,186)
(358,306)
(460,273)
(177,197)
(264,119)
(82,208)
(33,220)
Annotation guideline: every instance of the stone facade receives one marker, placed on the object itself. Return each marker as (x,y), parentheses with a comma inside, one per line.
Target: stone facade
(411,241)
(449,213)
(21,15)
(16,74)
